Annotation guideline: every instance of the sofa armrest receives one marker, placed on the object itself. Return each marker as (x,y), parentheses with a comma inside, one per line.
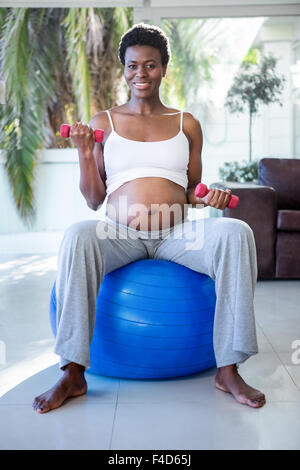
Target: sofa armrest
(258,208)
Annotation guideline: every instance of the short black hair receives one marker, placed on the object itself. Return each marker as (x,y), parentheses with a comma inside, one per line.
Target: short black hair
(143,34)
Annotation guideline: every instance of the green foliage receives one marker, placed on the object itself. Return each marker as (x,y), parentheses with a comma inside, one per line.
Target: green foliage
(256,83)
(75,23)
(252,56)
(239,172)
(191,62)
(25,63)
(52,61)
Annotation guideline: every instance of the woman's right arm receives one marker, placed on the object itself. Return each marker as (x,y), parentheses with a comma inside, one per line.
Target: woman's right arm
(92,173)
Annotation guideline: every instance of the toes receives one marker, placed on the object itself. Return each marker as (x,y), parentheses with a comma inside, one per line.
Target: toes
(261,399)
(42,409)
(257,402)
(253,403)
(36,403)
(39,404)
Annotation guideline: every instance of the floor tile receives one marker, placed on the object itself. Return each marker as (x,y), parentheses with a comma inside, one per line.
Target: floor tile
(266,373)
(200,426)
(277,300)
(292,363)
(193,388)
(264,344)
(281,335)
(76,425)
(263,371)
(183,413)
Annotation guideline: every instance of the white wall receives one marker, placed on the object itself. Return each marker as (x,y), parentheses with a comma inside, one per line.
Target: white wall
(58,200)
(226,139)
(296,92)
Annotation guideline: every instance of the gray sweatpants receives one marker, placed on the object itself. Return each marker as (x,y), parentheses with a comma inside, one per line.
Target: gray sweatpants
(222,248)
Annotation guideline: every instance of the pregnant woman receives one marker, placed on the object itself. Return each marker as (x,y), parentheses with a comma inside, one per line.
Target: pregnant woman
(143,175)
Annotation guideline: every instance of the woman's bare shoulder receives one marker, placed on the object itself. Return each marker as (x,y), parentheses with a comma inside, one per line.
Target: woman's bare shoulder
(191,121)
(100,121)
(190,117)
(192,128)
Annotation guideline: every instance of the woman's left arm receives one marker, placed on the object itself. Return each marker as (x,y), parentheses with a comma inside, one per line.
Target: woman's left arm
(194,133)
(216,197)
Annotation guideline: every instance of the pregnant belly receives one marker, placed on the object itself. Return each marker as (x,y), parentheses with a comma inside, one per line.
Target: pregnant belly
(148,204)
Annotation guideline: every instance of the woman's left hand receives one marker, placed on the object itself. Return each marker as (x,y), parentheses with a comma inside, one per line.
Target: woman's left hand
(216,198)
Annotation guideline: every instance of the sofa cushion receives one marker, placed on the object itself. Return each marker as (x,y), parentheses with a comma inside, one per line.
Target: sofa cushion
(288,255)
(282,174)
(288,220)
(257,207)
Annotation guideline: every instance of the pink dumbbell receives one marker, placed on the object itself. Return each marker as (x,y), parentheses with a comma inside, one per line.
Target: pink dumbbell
(201,190)
(65,132)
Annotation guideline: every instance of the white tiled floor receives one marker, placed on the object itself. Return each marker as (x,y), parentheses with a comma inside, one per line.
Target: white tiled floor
(183,413)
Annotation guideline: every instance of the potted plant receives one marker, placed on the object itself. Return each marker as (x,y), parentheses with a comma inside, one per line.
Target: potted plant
(256,83)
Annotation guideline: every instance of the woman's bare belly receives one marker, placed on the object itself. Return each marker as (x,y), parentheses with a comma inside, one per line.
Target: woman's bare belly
(148,204)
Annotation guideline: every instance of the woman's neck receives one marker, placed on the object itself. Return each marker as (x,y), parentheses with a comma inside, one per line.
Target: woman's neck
(145,106)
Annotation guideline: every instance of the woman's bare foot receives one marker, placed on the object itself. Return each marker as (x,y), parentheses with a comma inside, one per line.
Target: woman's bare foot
(72,384)
(229,380)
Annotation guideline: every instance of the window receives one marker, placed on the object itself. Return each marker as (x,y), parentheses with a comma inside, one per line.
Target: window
(206,55)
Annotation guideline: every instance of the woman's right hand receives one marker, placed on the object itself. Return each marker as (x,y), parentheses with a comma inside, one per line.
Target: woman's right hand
(83,136)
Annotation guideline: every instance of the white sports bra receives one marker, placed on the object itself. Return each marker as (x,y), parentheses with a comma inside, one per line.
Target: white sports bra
(126,160)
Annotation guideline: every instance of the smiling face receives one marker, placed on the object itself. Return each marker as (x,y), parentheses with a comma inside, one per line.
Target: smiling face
(143,70)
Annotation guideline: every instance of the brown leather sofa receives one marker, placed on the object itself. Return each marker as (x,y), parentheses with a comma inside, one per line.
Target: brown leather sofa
(272,209)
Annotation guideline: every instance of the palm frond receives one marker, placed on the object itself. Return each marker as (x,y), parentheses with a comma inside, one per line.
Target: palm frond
(56,63)
(122,21)
(76,38)
(20,139)
(25,57)
(14,57)
(192,59)
(106,71)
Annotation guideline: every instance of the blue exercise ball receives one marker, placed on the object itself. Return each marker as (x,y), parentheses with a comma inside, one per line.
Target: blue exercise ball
(154,320)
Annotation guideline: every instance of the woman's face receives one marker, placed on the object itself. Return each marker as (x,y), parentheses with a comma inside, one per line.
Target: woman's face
(143,70)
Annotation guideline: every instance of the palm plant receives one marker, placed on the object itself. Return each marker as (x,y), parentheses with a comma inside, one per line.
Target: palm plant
(58,66)
(192,59)
(25,65)
(256,83)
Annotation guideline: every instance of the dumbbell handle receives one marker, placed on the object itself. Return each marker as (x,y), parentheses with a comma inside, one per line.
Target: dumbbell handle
(201,190)
(65,132)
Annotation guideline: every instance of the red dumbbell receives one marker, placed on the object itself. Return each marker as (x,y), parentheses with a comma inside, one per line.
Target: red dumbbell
(201,190)
(65,132)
